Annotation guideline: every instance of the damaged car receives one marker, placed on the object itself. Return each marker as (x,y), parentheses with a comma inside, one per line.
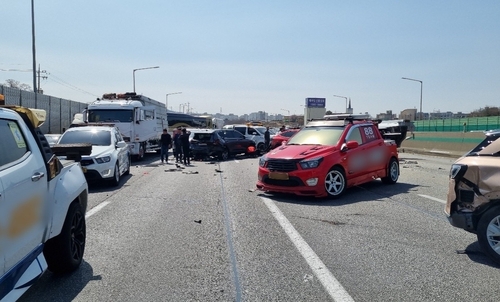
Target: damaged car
(473,201)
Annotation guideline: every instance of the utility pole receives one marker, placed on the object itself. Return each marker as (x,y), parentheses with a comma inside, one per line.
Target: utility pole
(39,72)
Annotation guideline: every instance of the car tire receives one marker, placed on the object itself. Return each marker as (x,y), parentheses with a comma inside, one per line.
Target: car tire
(116,176)
(224,154)
(488,233)
(64,253)
(127,172)
(261,148)
(392,172)
(335,182)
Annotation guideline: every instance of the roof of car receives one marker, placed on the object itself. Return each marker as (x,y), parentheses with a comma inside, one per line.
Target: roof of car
(201,130)
(92,127)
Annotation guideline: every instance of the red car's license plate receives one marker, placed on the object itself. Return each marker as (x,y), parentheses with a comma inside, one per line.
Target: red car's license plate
(278,175)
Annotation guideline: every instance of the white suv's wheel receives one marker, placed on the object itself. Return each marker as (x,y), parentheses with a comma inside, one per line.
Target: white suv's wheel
(116,176)
(64,253)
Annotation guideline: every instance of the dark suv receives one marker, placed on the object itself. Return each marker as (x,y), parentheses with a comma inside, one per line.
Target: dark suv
(220,143)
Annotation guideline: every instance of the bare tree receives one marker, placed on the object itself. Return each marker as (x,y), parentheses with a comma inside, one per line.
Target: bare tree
(16,84)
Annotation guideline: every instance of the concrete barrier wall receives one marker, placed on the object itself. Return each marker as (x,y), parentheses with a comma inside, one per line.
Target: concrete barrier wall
(453,143)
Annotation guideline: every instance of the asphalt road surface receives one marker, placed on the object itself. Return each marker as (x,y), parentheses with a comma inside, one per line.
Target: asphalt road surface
(204,233)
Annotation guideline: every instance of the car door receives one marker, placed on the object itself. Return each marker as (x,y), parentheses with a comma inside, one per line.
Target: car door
(374,148)
(122,150)
(355,158)
(23,178)
(2,243)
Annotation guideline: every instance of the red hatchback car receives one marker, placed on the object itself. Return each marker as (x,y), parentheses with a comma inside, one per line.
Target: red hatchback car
(281,137)
(328,156)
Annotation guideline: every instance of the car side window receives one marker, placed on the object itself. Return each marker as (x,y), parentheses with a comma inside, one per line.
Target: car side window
(13,145)
(355,135)
(241,130)
(252,131)
(119,136)
(368,133)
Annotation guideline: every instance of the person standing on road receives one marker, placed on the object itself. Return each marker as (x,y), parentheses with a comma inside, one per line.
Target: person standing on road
(184,140)
(267,139)
(177,145)
(166,143)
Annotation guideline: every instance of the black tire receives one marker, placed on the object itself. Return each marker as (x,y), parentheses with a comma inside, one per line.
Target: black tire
(224,154)
(261,148)
(116,176)
(127,172)
(488,234)
(64,253)
(392,172)
(335,182)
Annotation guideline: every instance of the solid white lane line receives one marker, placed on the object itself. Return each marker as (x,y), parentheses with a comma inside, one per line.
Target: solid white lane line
(96,209)
(432,198)
(329,282)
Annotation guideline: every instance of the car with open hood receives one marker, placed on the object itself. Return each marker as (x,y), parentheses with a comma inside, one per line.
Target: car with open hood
(473,201)
(328,156)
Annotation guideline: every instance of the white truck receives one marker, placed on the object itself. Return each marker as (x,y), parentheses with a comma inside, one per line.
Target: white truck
(140,119)
(43,201)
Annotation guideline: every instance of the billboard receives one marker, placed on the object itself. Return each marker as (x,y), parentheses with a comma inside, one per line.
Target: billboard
(315,102)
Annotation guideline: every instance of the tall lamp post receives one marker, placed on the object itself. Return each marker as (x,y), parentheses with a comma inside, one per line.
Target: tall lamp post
(344,97)
(133,73)
(166,98)
(421,88)
(35,89)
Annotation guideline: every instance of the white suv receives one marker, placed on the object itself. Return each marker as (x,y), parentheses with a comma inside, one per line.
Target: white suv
(110,156)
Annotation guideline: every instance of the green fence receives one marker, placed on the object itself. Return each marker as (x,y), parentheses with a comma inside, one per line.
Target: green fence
(458,124)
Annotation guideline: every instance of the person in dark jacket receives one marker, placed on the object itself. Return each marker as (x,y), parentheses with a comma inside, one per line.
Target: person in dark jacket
(267,140)
(177,145)
(166,143)
(184,139)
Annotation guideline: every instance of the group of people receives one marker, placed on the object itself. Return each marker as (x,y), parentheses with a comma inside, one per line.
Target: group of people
(179,142)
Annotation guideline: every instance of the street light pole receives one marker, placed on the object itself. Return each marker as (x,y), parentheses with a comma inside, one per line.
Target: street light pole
(344,97)
(35,89)
(166,98)
(421,88)
(133,73)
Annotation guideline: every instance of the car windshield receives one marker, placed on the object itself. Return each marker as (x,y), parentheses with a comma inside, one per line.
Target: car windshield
(95,137)
(52,138)
(288,133)
(124,116)
(317,136)
(490,146)
(203,136)
(260,129)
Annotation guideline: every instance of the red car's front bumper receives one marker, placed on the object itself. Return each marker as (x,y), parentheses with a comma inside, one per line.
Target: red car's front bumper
(292,182)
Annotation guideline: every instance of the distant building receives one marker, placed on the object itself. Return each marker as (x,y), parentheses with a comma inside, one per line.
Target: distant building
(386,116)
(408,114)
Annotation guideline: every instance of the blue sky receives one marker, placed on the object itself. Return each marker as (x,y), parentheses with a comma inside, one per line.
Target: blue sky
(245,56)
